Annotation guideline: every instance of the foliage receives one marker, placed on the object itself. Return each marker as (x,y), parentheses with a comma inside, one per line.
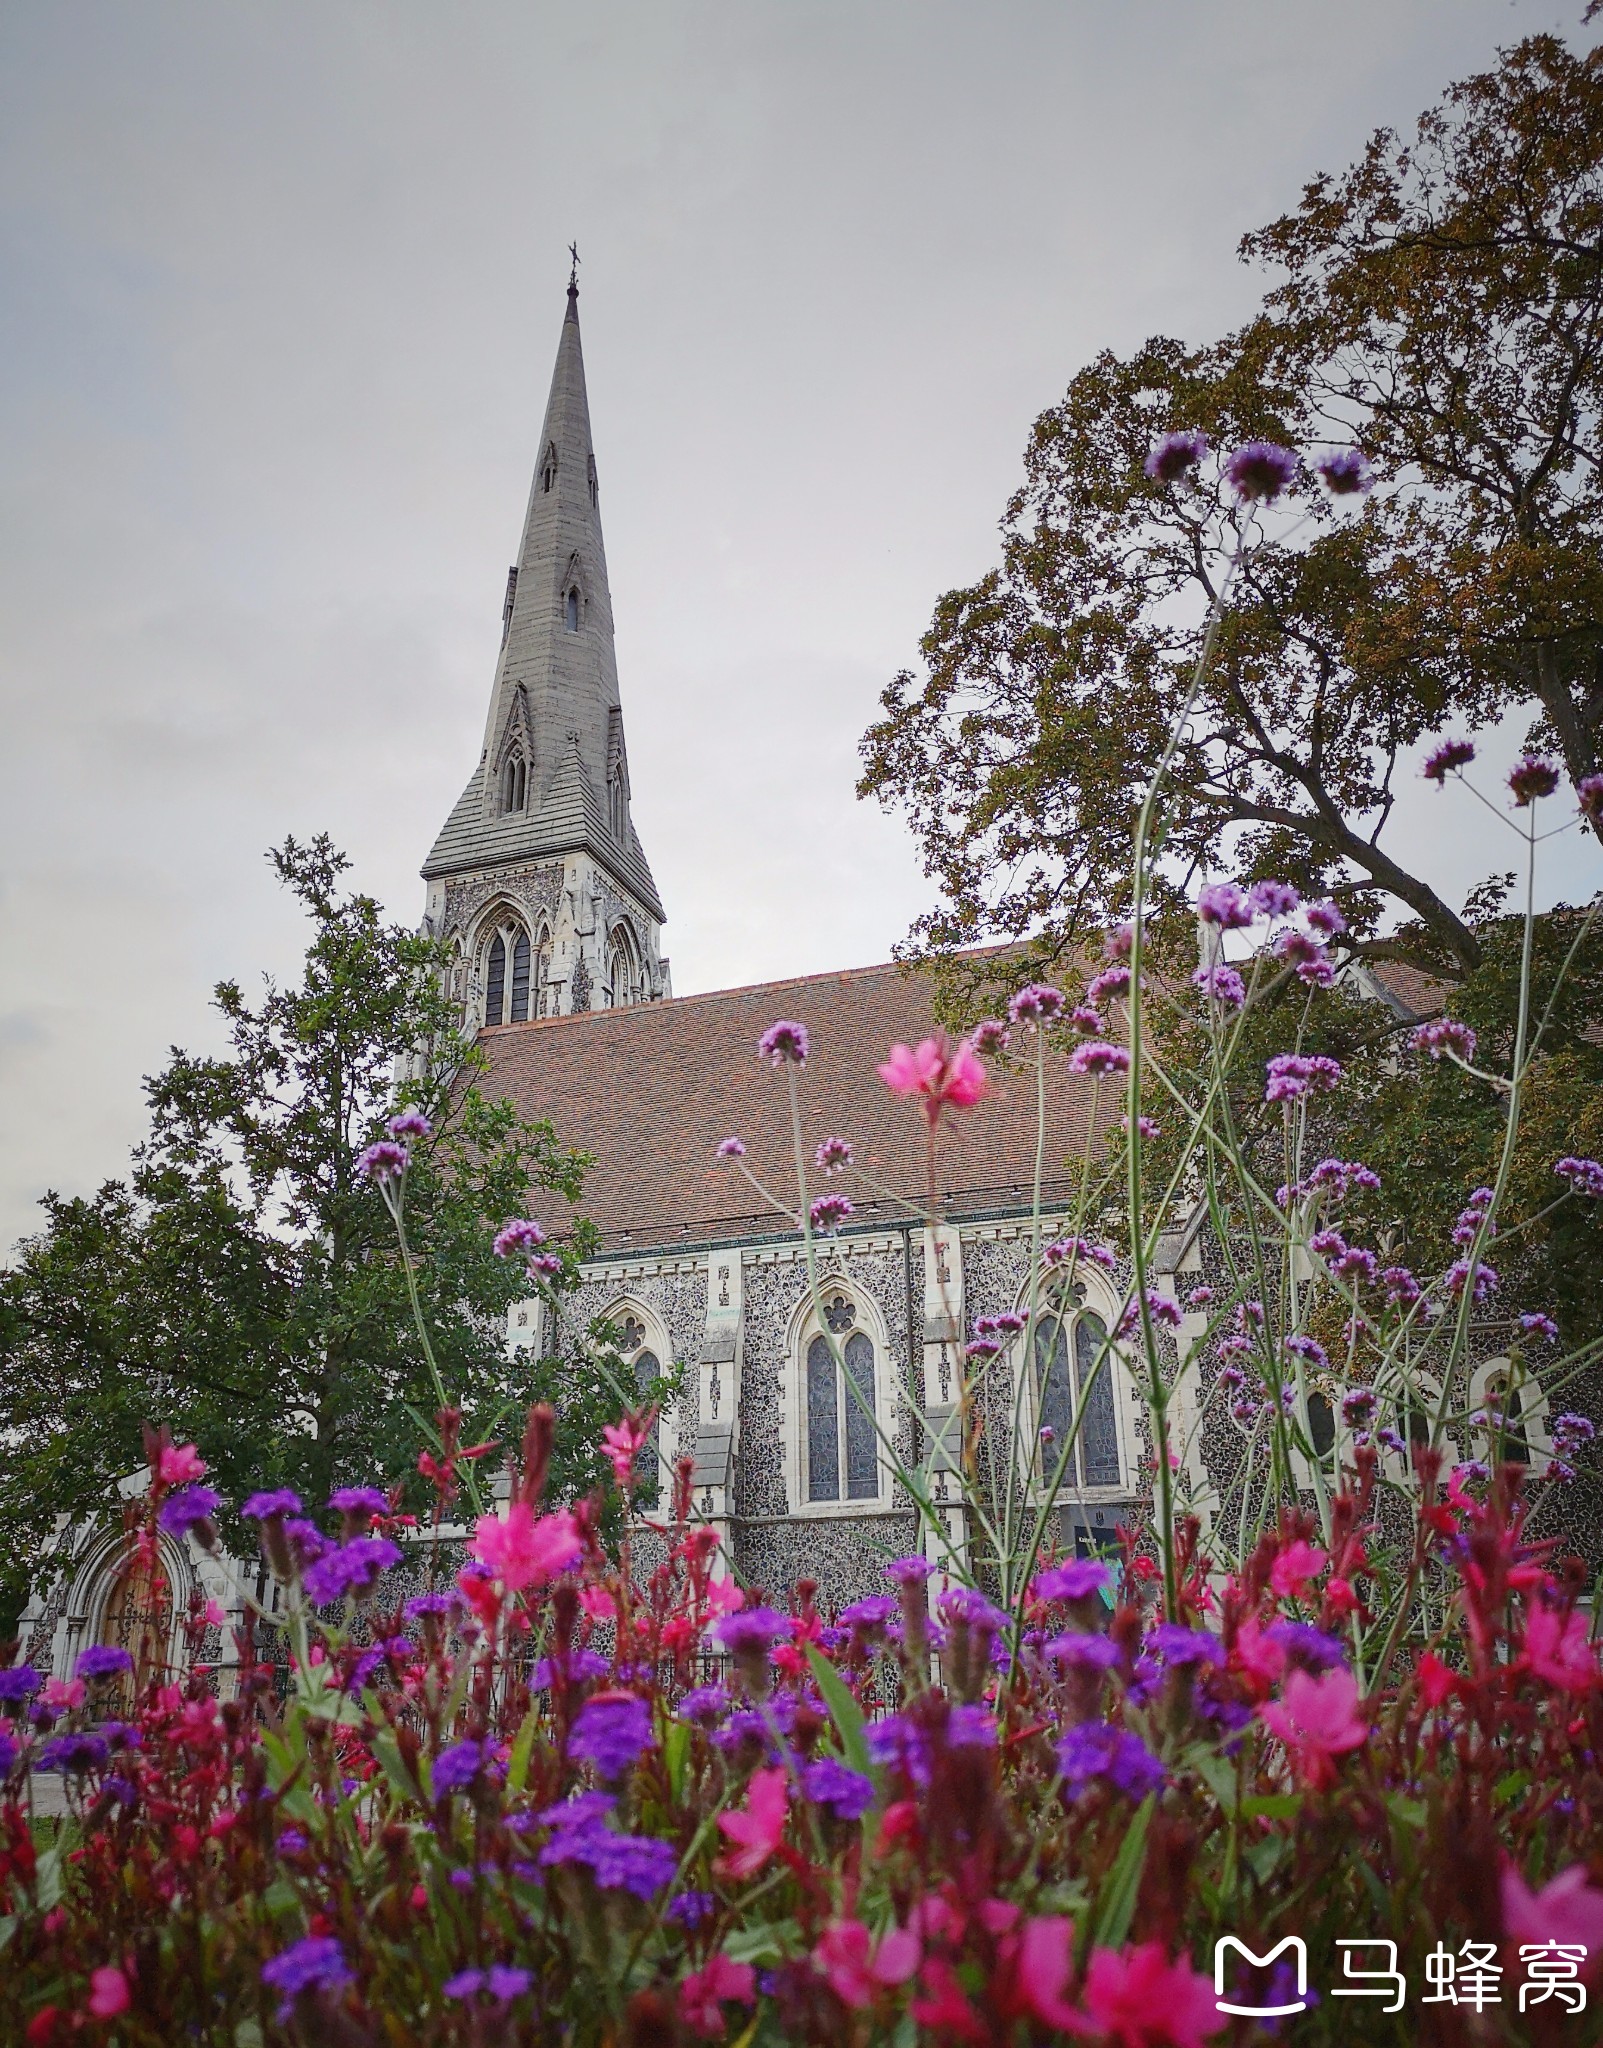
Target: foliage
(242,1281)
(1440,305)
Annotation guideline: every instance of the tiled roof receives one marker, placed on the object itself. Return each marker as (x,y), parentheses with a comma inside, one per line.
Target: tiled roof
(1409,991)
(653,1090)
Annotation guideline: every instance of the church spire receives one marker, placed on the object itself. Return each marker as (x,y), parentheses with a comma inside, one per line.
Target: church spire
(553,776)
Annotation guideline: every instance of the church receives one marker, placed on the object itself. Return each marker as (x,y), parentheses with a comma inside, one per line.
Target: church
(541,891)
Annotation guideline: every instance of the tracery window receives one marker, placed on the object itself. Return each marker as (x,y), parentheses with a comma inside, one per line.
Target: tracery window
(573,608)
(548,469)
(507,968)
(840,1437)
(514,782)
(624,978)
(638,1347)
(542,973)
(1068,1386)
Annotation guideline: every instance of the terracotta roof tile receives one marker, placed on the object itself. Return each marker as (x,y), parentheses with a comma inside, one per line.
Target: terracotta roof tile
(652,1091)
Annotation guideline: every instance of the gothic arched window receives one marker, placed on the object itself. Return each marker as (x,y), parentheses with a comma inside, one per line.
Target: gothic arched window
(573,608)
(642,1350)
(495,981)
(520,978)
(840,1440)
(1085,1392)
(548,469)
(514,782)
(624,979)
(542,972)
(507,966)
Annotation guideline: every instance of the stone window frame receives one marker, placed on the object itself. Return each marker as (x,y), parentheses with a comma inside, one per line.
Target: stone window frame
(889,1395)
(1100,1299)
(1534,1409)
(658,1340)
(507,920)
(623,945)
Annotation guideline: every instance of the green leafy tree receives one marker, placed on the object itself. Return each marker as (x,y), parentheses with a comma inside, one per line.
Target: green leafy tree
(1440,305)
(243,1282)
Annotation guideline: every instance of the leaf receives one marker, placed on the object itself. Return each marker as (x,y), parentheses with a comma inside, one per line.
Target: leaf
(844,1711)
(1217,1775)
(762,1944)
(248,2034)
(1115,1907)
(1271,1806)
(388,1752)
(47,1879)
(675,1756)
(522,1748)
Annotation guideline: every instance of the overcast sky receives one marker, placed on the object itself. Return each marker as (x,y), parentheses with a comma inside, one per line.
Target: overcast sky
(280,288)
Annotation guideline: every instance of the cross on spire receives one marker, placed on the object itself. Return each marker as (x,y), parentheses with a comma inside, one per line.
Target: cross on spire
(573,274)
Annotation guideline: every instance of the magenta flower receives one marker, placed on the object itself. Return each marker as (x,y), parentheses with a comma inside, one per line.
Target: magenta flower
(946,1076)
(1590,792)
(524,1550)
(704,1993)
(1099,1059)
(1086,1021)
(783,1041)
(1537,1325)
(1568,1908)
(1112,981)
(833,1156)
(383,1161)
(829,1212)
(1445,1035)
(1261,470)
(1136,1995)
(1318,1719)
(1223,904)
(1531,777)
(411,1123)
(732,1148)
(1345,472)
(1175,455)
(1038,1003)
(1326,919)
(1222,983)
(990,1038)
(517,1239)
(1585,1176)
(1273,899)
(1445,759)
(758,1830)
(1293,1074)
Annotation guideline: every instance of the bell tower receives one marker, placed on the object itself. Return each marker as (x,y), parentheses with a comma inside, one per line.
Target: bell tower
(538,881)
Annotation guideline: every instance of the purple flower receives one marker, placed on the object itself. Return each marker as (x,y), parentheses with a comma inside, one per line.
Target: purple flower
(1273,899)
(617,1862)
(1345,472)
(1585,1176)
(1558,1471)
(909,1571)
(261,1506)
(611,1733)
(1261,469)
(1531,777)
(1177,1645)
(1293,1074)
(1097,1058)
(190,1507)
(19,1682)
(1357,1405)
(783,1041)
(1402,1289)
(501,1981)
(1175,455)
(1537,1325)
(1444,759)
(1570,1429)
(291,1842)
(870,1614)
(103,1660)
(705,1704)
(383,1161)
(348,1568)
(1326,919)
(1094,1750)
(515,1240)
(751,1630)
(1222,983)
(833,1156)
(359,1500)
(690,1909)
(422,1604)
(732,1148)
(315,1963)
(1483,1281)
(1392,1441)
(1082,1578)
(970,1727)
(456,1768)
(411,1123)
(1590,791)
(829,1212)
(73,1754)
(9,1752)
(1306,1645)
(1088,1652)
(847,1793)
(578,1812)
(1112,981)
(1066,1249)
(898,1744)
(1037,1003)
(1087,1022)
(1224,905)
(991,1036)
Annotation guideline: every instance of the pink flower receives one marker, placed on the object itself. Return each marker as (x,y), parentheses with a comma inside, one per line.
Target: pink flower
(1038,1960)
(62,1695)
(946,1076)
(623,1443)
(1558,1649)
(108,1987)
(856,1968)
(179,1464)
(1257,1652)
(724,1597)
(758,1830)
(702,1994)
(1295,1566)
(1317,1719)
(1138,1998)
(214,1614)
(523,1549)
(1567,1909)
(598,1603)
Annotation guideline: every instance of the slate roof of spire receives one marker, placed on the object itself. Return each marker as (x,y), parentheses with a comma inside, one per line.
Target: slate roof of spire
(556,689)
(654,1089)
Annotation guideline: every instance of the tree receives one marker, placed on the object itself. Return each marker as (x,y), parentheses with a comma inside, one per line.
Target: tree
(1440,305)
(243,1284)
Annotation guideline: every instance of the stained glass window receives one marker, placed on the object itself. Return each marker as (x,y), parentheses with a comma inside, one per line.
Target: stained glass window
(842,1441)
(1089,1394)
(520,978)
(495,981)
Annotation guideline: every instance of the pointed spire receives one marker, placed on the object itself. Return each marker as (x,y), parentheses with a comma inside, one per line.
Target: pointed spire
(557,675)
